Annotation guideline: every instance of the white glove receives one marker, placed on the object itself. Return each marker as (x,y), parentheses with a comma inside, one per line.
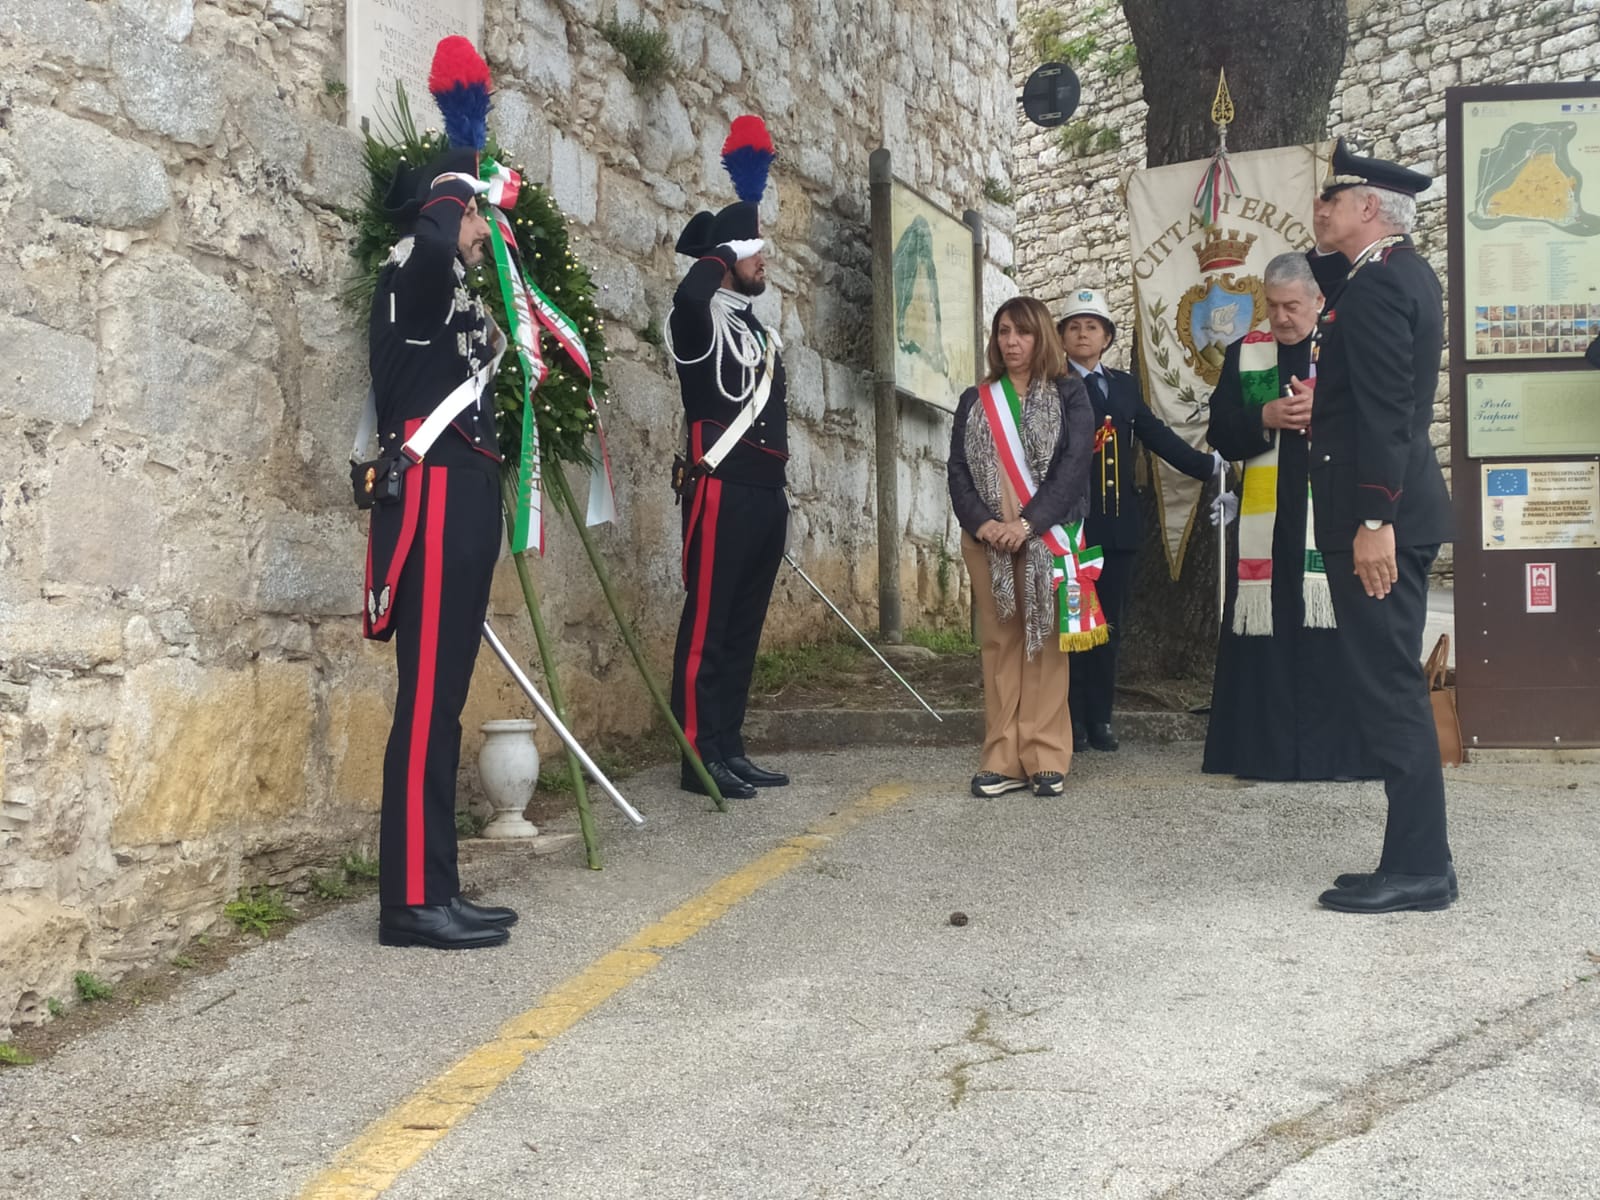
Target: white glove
(747,248)
(1219,465)
(478,186)
(1224,508)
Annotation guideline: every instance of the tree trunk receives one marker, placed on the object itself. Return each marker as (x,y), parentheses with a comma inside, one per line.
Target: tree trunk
(1283,59)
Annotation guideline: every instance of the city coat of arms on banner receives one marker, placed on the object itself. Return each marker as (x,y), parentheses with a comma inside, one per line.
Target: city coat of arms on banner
(1197,289)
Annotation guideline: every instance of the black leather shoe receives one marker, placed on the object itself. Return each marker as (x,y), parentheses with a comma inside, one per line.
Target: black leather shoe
(988,784)
(1048,783)
(1360,879)
(756,776)
(484,914)
(1080,738)
(729,784)
(1101,737)
(1385,893)
(437,925)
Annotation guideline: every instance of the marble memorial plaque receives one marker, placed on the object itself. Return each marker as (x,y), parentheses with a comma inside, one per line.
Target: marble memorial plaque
(389,41)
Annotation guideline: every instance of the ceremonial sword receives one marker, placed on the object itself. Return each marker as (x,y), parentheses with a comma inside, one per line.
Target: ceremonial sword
(789,558)
(561,730)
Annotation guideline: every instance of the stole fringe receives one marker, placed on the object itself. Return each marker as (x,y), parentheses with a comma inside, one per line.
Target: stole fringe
(1086,640)
(1252,608)
(1319,602)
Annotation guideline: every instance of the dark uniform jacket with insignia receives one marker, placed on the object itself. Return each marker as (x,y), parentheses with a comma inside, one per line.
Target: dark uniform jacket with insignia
(1113,522)
(1377,371)
(759,458)
(428,333)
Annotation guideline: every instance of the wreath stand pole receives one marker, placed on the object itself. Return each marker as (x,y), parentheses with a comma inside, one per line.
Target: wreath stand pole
(604,576)
(580,789)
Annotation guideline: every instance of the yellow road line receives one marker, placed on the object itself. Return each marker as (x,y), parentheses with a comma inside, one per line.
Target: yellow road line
(398,1139)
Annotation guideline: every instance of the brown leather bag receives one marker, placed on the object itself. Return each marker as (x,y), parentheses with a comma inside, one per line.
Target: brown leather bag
(1443,700)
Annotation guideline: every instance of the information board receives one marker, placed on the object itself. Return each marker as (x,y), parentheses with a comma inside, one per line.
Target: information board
(934,300)
(1541,505)
(390,41)
(1553,413)
(1531,238)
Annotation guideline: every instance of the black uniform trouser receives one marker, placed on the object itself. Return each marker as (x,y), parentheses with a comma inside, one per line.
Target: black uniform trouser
(1382,642)
(439,606)
(1093,685)
(733,544)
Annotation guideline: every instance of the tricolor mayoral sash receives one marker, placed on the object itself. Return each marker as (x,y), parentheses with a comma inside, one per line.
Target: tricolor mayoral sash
(1082,620)
(1259,385)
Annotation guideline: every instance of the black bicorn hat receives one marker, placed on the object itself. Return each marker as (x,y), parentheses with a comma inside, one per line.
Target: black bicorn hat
(739,221)
(408,191)
(1346,170)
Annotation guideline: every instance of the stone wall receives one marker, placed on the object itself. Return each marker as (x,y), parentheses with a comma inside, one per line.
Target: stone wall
(1071,218)
(186,705)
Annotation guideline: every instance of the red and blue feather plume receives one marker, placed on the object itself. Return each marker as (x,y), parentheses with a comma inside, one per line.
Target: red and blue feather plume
(459,82)
(747,155)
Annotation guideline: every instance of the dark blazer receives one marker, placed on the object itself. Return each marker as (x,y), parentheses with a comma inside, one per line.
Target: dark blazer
(1376,375)
(1060,496)
(1113,522)
(1592,354)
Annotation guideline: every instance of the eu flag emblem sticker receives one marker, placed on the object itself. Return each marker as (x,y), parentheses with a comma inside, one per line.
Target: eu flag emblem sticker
(1507,481)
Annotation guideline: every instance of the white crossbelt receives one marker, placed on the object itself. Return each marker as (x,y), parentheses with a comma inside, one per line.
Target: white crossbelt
(447,410)
(740,425)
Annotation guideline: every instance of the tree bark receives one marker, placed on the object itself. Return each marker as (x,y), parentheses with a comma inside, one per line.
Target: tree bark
(1283,59)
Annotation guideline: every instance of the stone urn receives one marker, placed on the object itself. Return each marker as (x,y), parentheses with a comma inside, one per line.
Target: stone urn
(508,765)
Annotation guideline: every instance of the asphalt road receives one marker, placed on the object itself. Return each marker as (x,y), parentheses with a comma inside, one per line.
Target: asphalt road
(1144,1002)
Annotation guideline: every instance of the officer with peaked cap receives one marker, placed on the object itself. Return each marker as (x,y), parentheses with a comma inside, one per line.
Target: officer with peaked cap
(1382,511)
(1113,523)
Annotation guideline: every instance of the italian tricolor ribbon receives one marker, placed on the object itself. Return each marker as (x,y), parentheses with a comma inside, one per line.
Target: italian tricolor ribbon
(1075,568)
(530,313)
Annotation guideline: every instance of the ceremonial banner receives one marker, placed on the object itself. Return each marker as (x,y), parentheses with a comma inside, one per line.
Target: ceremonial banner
(1197,288)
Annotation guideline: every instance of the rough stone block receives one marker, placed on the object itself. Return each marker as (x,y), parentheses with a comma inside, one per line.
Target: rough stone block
(805,375)
(629,219)
(101,526)
(70,28)
(668,137)
(334,172)
(65,636)
(722,56)
(41,942)
(549,63)
(273,131)
(309,565)
(175,337)
(358,731)
(199,752)
(166,89)
(79,170)
(522,130)
(47,373)
(573,177)
(172,19)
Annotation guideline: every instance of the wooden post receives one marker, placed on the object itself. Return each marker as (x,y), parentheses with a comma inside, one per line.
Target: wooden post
(886,405)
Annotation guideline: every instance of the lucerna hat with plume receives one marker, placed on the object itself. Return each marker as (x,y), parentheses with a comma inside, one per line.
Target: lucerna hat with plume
(460,83)
(747,156)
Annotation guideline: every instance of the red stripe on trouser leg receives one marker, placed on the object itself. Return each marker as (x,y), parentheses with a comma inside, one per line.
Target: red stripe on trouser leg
(422,704)
(702,615)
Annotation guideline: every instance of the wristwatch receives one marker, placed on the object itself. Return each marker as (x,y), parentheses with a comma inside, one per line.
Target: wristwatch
(1027,529)
(1374,525)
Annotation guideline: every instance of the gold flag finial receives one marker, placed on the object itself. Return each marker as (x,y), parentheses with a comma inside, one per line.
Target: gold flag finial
(1222,106)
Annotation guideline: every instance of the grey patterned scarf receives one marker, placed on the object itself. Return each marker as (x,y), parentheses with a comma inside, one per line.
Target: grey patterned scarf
(1041,431)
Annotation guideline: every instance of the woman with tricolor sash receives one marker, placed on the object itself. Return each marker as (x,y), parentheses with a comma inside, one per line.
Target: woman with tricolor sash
(1280,708)
(1019,476)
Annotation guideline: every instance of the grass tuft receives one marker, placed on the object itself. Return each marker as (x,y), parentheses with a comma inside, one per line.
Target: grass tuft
(91,987)
(942,641)
(258,910)
(647,57)
(10,1056)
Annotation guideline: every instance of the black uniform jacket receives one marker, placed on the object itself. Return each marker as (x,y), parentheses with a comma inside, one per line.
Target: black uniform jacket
(1376,375)
(428,333)
(1059,497)
(759,457)
(1113,522)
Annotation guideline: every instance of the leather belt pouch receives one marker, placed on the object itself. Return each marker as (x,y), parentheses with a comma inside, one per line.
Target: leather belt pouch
(379,480)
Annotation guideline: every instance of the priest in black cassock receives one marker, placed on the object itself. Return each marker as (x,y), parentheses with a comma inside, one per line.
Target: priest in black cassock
(1280,708)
